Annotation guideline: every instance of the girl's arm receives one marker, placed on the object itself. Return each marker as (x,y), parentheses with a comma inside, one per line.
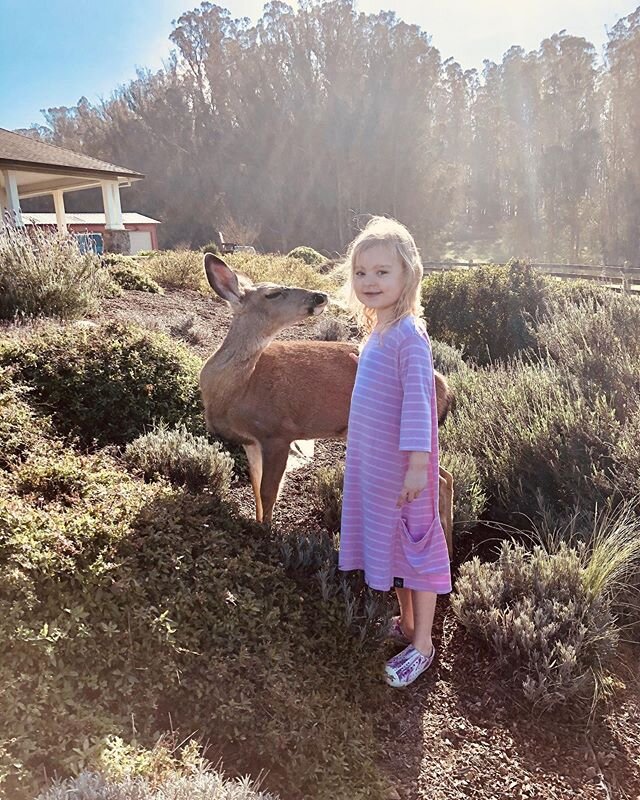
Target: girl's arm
(416,375)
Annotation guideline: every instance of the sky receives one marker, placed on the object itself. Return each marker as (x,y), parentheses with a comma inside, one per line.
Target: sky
(53,52)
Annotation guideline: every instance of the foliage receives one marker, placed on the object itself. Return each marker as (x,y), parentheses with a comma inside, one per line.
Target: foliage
(446,358)
(281,270)
(548,615)
(329,487)
(529,431)
(183,458)
(578,334)
(133,773)
(180,269)
(22,431)
(469,499)
(332,329)
(107,383)
(128,274)
(308,255)
(484,311)
(44,274)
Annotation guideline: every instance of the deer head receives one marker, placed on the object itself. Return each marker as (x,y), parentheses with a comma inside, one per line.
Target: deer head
(270,306)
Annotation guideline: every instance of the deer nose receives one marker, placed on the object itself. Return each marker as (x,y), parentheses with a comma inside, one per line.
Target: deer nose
(319,298)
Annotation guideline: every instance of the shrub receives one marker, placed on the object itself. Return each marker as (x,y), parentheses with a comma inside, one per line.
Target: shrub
(22,431)
(177,269)
(211,247)
(184,459)
(139,602)
(328,487)
(530,432)
(469,499)
(45,275)
(550,637)
(578,334)
(549,614)
(446,358)
(47,479)
(332,329)
(109,383)
(128,275)
(308,255)
(484,311)
(283,270)
(133,773)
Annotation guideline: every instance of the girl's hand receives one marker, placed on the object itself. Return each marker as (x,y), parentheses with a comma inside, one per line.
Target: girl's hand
(354,356)
(415,482)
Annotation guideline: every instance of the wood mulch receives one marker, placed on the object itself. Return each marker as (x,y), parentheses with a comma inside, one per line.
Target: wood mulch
(455,733)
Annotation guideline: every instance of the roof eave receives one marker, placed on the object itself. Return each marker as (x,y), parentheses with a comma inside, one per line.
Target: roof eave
(34,166)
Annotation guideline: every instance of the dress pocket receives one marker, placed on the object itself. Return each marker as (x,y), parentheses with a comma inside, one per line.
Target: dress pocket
(414,549)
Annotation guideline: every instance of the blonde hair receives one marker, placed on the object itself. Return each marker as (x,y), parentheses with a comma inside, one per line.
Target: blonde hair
(383,230)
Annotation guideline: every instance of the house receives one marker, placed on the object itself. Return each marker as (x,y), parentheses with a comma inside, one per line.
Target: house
(30,168)
(143,234)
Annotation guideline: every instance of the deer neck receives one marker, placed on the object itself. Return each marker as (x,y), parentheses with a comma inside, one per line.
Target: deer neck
(234,361)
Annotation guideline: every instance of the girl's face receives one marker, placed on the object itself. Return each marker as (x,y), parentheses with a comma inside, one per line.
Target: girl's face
(379,279)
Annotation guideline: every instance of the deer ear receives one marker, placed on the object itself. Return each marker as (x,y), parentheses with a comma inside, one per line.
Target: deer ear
(222,279)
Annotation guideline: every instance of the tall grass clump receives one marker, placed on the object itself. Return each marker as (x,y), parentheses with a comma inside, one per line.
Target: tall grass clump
(107,384)
(183,458)
(44,274)
(550,615)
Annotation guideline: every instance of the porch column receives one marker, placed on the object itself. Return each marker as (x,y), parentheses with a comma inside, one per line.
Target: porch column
(112,207)
(12,203)
(58,203)
(116,239)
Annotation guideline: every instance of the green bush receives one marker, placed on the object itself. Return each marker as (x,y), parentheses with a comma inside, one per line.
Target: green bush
(177,269)
(484,311)
(530,431)
(139,602)
(46,479)
(22,431)
(599,343)
(469,499)
(45,275)
(550,616)
(130,276)
(308,255)
(108,383)
(184,459)
(446,358)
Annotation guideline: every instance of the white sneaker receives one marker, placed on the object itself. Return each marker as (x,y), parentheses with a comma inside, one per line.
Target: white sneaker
(408,665)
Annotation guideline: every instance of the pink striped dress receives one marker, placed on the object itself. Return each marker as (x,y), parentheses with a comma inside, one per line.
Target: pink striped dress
(393,412)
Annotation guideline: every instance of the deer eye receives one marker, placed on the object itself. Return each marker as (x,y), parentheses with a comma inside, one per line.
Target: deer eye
(271,295)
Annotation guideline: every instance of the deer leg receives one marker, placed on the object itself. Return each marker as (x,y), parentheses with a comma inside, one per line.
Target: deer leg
(254,457)
(274,461)
(445,503)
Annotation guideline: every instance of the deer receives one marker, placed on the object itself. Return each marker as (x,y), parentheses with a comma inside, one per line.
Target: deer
(266,394)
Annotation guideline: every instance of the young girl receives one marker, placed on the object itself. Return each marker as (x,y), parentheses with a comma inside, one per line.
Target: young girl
(390,524)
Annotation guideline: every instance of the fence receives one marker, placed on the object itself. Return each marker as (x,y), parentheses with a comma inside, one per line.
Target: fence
(626,279)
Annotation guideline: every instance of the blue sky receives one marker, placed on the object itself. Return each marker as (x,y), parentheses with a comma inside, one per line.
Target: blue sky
(52,52)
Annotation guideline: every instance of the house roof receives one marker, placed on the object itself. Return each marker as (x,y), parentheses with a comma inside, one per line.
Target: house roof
(128,218)
(22,152)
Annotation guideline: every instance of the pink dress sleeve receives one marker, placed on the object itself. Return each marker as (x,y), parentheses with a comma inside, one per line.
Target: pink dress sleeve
(416,376)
